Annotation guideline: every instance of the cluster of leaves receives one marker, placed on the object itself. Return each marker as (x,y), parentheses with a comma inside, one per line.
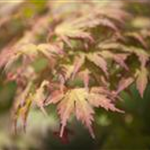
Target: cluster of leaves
(89,58)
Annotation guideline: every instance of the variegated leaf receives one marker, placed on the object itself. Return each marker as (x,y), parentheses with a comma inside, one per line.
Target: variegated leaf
(142,80)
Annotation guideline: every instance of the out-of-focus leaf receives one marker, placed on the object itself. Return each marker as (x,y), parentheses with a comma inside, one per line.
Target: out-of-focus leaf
(98,61)
(142,80)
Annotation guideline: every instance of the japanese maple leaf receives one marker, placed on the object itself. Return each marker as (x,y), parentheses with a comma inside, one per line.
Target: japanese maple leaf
(142,80)
(80,102)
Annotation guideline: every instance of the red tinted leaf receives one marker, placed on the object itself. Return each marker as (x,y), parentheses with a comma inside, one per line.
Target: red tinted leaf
(78,64)
(84,111)
(99,100)
(21,107)
(98,61)
(124,83)
(142,80)
(80,101)
(39,96)
(54,97)
(119,58)
(138,37)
